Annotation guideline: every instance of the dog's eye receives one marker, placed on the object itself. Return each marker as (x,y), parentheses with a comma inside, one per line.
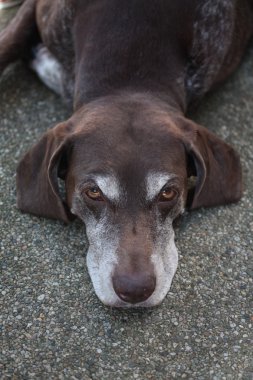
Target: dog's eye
(95,194)
(167,195)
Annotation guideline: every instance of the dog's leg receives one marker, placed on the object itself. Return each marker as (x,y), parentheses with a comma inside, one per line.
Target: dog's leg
(48,69)
(19,35)
(221,32)
(243,32)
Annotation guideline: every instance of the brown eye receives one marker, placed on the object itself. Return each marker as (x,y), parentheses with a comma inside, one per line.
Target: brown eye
(167,195)
(95,194)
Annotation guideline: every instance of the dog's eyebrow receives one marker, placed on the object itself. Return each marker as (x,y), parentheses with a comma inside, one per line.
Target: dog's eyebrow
(109,185)
(155,182)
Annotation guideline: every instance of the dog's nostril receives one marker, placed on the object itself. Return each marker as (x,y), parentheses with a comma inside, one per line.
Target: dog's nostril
(134,288)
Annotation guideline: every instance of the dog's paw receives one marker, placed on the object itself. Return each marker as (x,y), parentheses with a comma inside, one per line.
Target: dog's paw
(48,69)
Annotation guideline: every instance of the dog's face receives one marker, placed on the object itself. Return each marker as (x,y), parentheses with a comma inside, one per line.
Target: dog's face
(127,184)
(125,166)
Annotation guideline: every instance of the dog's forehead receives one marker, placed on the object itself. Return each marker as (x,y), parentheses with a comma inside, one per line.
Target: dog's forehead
(119,148)
(129,160)
(128,151)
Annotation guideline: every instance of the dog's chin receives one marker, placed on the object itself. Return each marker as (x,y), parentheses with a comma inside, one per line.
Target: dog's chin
(100,271)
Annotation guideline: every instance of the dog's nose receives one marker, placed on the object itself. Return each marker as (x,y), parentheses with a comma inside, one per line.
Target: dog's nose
(134,288)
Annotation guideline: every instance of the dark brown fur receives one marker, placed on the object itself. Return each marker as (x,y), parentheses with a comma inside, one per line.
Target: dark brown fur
(131,70)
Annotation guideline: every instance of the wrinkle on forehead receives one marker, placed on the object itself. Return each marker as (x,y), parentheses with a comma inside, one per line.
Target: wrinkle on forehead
(155,182)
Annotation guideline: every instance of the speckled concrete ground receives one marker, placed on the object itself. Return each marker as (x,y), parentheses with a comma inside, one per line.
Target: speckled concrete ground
(52,324)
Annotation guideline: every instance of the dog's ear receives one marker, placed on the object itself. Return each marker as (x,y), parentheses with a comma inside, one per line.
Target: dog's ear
(38,172)
(216,166)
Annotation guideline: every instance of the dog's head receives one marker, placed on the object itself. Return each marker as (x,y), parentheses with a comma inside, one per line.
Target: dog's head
(126,164)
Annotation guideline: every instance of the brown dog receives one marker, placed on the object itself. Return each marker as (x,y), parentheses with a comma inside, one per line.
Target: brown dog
(131,69)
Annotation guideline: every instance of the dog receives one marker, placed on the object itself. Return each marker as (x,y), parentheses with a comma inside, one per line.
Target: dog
(131,69)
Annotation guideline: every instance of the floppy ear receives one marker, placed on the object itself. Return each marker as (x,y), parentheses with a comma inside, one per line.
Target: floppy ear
(37,176)
(217,168)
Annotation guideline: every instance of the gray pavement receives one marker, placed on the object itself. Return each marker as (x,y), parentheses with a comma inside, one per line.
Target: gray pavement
(52,324)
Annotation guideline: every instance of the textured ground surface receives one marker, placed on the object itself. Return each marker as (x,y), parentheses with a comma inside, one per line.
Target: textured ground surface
(52,324)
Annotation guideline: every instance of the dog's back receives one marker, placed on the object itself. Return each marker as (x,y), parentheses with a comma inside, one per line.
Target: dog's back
(184,46)
(134,44)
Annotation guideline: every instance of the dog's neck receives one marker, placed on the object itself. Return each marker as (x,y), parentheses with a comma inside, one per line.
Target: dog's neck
(109,59)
